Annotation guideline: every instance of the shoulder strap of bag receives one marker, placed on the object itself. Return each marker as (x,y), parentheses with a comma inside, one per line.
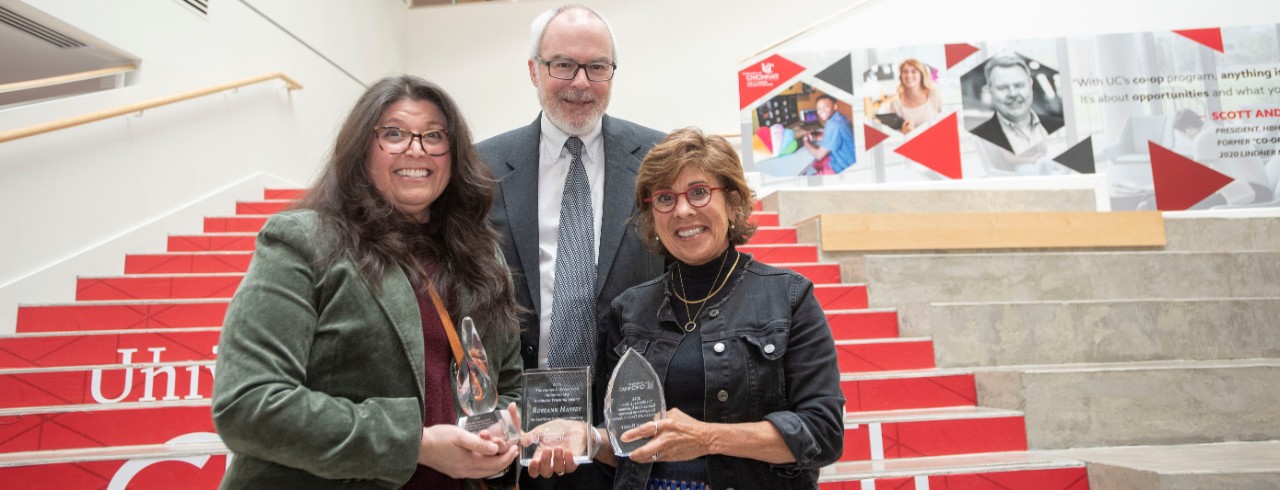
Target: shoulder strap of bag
(446,321)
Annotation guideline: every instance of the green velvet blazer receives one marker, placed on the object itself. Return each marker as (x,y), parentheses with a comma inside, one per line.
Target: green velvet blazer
(319,380)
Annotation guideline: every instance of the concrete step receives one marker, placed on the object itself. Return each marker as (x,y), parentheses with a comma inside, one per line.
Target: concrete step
(862,324)
(91,348)
(122,315)
(794,205)
(1153,403)
(234,224)
(51,387)
(875,436)
(193,461)
(907,390)
(1239,465)
(265,207)
(157,286)
(216,242)
(1193,232)
(911,282)
(1064,332)
(188,263)
(860,356)
(842,296)
(87,426)
(782,253)
(773,235)
(994,471)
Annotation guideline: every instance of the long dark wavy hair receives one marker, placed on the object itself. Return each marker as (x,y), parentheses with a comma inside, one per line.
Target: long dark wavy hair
(376,235)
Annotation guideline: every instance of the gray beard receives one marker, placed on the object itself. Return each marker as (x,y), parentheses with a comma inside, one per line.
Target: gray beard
(564,124)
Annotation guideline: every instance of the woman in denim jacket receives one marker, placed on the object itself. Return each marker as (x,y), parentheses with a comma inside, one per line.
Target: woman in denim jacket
(744,351)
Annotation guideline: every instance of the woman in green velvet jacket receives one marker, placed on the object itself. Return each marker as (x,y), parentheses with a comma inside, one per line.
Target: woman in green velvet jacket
(334,370)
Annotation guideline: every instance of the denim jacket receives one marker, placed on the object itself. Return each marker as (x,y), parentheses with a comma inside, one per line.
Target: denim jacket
(768,355)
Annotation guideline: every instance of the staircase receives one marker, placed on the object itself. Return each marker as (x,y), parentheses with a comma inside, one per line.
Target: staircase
(113,390)
(909,425)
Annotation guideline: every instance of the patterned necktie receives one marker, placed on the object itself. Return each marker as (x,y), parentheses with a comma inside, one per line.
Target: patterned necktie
(573,320)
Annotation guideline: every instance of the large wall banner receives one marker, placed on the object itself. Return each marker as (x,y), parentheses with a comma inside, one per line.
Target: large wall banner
(1185,119)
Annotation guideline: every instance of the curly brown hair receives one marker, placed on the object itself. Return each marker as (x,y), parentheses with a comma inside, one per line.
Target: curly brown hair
(378,236)
(690,148)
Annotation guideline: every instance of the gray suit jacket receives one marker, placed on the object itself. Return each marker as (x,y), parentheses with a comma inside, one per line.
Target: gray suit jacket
(622,259)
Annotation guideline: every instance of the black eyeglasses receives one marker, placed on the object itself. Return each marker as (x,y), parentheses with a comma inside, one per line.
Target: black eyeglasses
(564,69)
(395,140)
(698,196)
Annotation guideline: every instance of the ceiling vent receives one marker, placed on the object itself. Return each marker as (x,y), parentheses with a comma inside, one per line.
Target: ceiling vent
(35,29)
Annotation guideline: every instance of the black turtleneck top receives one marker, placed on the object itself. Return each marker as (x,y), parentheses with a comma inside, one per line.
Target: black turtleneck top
(685,382)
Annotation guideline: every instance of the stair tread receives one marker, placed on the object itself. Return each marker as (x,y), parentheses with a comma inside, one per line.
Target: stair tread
(179,275)
(1221,299)
(199,252)
(861,310)
(951,464)
(1220,457)
(111,302)
(95,407)
(135,365)
(923,414)
(1132,365)
(883,340)
(111,453)
(82,333)
(904,374)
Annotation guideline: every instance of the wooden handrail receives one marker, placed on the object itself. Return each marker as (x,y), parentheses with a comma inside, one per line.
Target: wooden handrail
(61,79)
(140,106)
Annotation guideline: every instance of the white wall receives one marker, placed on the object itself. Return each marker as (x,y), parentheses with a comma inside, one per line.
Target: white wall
(678,59)
(64,193)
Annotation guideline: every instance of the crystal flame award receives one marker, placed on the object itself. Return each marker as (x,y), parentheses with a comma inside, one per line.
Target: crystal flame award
(557,413)
(476,391)
(634,398)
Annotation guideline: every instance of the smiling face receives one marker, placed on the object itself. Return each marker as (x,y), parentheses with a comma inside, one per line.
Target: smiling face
(1010,89)
(693,235)
(575,106)
(825,109)
(412,180)
(910,76)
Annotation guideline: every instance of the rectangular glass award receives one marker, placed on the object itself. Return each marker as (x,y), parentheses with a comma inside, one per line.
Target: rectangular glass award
(557,413)
(477,394)
(634,398)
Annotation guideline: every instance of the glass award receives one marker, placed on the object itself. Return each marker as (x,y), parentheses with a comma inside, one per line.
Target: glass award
(557,413)
(477,394)
(634,398)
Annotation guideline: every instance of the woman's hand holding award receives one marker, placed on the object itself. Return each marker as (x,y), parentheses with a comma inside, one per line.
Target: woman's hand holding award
(634,398)
(477,394)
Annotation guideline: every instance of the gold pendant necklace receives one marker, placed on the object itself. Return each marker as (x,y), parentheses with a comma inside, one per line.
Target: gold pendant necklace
(692,322)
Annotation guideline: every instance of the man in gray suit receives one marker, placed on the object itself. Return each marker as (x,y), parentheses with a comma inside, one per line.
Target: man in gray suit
(572,64)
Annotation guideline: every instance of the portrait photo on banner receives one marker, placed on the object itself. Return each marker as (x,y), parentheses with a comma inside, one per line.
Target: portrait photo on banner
(902,95)
(1012,106)
(803,131)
